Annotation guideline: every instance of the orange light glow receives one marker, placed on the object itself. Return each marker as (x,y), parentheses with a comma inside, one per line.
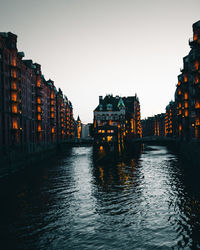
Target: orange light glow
(14,85)
(39,108)
(179,129)
(39,117)
(14,97)
(14,108)
(179,112)
(186,113)
(52,102)
(196,65)
(186,104)
(52,130)
(197,104)
(179,105)
(52,115)
(185,78)
(52,109)
(186,96)
(179,92)
(38,100)
(39,128)
(13,61)
(179,83)
(14,73)
(101,148)
(14,124)
(196,79)
(109,138)
(62,132)
(195,36)
(38,83)
(52,95)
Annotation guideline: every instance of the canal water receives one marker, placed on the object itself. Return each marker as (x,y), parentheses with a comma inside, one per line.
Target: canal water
(151,201)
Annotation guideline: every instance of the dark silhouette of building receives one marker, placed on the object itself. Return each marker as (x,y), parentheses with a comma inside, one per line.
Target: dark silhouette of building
(33,113)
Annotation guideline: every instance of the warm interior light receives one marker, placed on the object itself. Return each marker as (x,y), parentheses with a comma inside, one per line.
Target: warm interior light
(197,104)
(185,78)
(39,108)
(109,138)
(186,95)
(14,96)
(14,73)
(38,83)
(186,104)
(14,108)
(39,128)
(196,64)
(195,36)
(14,85)
(14,124)
(13,61)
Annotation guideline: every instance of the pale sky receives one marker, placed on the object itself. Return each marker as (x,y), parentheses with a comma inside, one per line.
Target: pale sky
(97,47)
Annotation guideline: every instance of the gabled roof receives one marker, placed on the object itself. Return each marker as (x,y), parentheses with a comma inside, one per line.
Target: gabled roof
(117,103)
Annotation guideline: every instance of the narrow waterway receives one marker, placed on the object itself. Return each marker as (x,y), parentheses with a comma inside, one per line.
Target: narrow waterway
(149,202)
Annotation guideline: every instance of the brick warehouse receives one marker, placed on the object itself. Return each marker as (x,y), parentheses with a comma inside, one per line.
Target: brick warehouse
(33,113)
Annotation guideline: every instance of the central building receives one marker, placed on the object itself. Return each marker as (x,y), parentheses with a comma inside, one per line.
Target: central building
(116,119)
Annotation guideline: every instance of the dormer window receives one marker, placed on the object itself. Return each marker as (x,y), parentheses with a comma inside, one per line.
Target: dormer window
(109,107)
(100,107)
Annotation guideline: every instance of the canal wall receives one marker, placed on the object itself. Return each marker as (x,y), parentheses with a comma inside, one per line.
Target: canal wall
(14,159)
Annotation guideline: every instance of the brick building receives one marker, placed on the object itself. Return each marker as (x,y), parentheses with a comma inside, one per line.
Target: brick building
(32,112)
(187,95)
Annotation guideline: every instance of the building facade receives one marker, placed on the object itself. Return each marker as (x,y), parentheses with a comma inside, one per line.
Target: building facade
(32,111)
(116,119)
(187,95)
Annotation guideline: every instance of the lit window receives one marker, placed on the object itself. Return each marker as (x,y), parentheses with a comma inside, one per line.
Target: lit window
(14,108)
(185,78)
(39,108)
(38,83)
(14,97)
(196,65)
(14,124)
(186,95)
(39,128)
(14,85)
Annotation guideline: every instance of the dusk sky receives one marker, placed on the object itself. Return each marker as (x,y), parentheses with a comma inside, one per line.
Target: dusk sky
(98,47)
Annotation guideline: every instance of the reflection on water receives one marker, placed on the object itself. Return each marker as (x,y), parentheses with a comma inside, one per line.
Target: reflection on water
(148,202)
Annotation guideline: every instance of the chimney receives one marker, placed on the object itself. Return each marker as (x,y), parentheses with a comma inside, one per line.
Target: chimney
(100,99)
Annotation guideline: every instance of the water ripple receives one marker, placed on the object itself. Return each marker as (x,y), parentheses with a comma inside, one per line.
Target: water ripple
(148,202)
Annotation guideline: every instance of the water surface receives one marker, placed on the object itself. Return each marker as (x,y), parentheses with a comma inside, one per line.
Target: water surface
(148,202)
